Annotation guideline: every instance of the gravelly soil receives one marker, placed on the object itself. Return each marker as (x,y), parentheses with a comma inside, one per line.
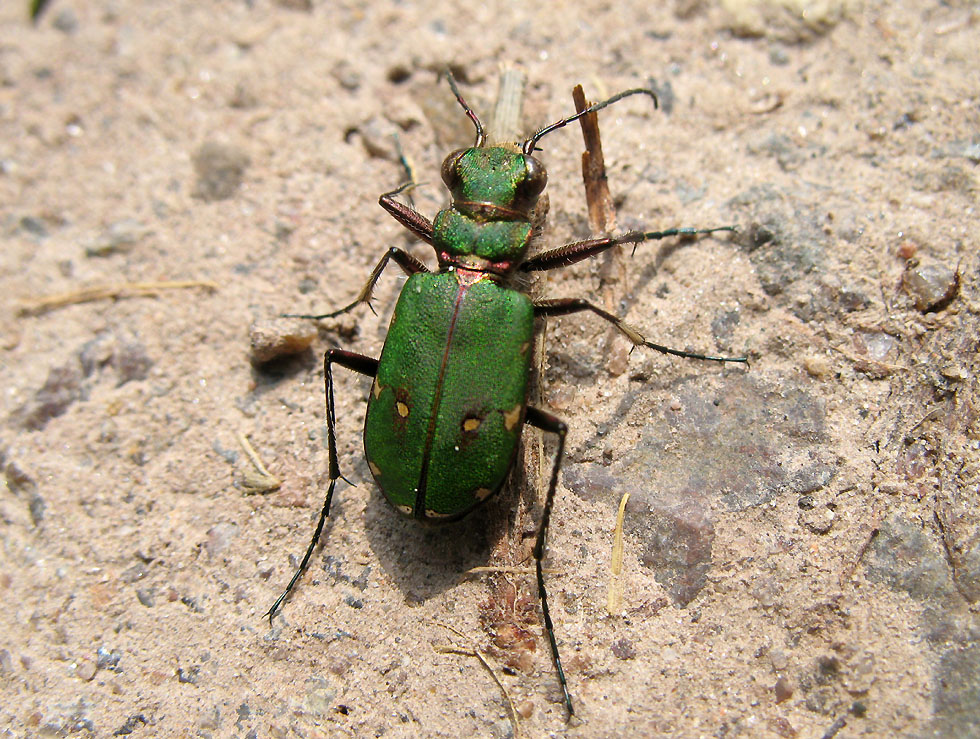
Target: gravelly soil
(802,549)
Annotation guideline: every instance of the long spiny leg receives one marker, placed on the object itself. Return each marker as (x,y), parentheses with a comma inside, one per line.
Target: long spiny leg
(569,254)
(547,422)
(403,259)
(358,363)
(406,215)
(564,306)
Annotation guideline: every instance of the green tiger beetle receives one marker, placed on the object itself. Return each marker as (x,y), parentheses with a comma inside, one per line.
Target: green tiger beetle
(450,390)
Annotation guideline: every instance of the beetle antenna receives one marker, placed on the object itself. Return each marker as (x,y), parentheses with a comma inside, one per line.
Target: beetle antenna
(481,135)
(532,142)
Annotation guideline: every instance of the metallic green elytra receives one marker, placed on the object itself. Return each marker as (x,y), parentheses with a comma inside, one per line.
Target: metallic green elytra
(449,397)
(445,412)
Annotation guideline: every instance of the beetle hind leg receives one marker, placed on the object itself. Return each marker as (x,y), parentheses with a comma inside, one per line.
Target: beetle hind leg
(358,363)
(565,306)
(547,422)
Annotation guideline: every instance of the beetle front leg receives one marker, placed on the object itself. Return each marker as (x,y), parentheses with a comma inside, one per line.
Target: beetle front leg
(564,306)
(569,254)
(547,422)
(358,363)
(410,218)
(403,259)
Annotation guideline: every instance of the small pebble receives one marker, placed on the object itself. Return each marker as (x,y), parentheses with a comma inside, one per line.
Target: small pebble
(118,238)
(131,361)
(907,249)
(783,690)
(377,141)
(817,367)
(66,21)
(279,337)
(220,169)
(85,670)
(624,649)
(348,76)
(931,285)
(525,709)
(145,597)
(819,520)
(219,537)
(62,388)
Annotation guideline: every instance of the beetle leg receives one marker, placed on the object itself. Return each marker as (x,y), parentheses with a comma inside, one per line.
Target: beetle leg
(547,422)
(403,259)
(569,254)
(564,306)
(358,363)
(410,218)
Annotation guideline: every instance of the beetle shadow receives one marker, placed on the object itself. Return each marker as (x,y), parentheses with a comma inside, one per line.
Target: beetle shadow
(424,560)
(269,375)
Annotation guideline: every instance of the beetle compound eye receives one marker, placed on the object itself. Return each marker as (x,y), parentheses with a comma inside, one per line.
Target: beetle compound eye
(535,179)
(450,168)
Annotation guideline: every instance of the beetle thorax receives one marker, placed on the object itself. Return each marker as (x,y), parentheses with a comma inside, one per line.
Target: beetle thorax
(488,226)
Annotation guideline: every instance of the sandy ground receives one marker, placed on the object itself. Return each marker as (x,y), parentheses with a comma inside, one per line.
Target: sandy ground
(801,549)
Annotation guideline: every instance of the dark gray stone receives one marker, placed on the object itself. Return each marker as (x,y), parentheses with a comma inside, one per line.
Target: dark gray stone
(731,448)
